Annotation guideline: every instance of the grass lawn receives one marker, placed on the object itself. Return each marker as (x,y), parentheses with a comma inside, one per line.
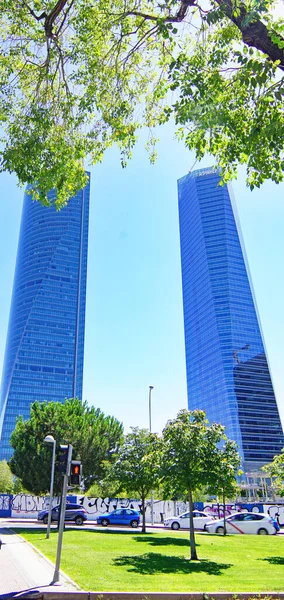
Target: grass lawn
(127,561)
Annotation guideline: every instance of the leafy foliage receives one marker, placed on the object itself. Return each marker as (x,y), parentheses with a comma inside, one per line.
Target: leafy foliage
(276,470)
(95,439)
(230,105)
(138,465)
(191,457)
(6,478)
(109,486)
(227,467)
(78,76)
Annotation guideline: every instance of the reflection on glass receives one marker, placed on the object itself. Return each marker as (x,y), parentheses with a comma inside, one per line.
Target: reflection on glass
(227,370)
(45,341)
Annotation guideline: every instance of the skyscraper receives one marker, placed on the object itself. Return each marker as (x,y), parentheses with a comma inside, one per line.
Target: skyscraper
(227,371)
(45,341)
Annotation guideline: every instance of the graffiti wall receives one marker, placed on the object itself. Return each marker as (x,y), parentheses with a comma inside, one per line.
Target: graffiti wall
(97,506)
(27,506)
(5,505)
(275,511)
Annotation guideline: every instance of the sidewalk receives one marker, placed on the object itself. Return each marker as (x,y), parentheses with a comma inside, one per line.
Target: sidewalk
(24,569)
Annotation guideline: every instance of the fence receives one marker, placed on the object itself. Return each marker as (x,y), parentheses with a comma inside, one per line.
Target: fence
(27,506)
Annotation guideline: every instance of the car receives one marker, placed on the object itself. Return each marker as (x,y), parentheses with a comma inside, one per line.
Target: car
(120,516)
(246,522)
(182,521)
(73,512)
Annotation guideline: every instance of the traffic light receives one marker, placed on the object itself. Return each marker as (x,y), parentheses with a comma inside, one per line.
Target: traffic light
(75,472)
(62,459)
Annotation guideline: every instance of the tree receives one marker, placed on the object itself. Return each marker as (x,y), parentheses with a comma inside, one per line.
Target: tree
(6,478)
(190,457)
(138,465)
(108,486)
(78,76)
(276,470)
(95,439)
(227,468)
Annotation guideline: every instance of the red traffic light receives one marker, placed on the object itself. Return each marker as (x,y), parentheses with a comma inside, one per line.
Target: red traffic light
(75,473)
(75,469)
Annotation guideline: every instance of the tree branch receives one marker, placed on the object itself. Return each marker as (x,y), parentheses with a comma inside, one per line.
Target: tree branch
(65,16)
(31,11)
(254,33)
(181,13)
(49,21)
(184,8)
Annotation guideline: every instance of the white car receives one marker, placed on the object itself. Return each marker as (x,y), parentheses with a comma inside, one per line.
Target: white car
(182,522)
(246,522)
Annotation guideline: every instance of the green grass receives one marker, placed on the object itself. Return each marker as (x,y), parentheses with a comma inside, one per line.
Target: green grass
(112,561)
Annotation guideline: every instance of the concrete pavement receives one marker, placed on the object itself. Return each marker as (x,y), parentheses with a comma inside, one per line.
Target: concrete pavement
(22,568)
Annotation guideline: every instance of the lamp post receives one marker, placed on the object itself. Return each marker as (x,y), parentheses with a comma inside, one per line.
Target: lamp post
(50,440)
(151,387)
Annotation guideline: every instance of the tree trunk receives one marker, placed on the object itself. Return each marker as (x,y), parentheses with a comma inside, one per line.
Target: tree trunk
(193,553)
(224,513)
(143,514)
(218,509)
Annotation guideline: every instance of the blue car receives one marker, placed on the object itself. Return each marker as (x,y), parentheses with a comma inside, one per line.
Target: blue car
(120,516)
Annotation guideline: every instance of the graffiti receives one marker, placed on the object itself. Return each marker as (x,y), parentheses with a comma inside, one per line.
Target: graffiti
(5,501)
(276,512)
(181,507)
(97,506)
(218,510)
(27,503)
(27,506)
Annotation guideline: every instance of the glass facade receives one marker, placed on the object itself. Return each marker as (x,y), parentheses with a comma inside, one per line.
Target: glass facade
(45,341)
(227,370)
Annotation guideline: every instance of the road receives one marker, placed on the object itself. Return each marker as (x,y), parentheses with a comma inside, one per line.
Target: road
(91,525)
(15,523)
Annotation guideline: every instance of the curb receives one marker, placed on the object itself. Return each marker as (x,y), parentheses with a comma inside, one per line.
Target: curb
(58,595)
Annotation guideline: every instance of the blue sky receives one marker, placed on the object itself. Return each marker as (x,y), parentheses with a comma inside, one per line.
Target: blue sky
(134,318)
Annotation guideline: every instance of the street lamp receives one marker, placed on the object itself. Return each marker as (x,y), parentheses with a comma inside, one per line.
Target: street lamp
(50,440)
(151,387)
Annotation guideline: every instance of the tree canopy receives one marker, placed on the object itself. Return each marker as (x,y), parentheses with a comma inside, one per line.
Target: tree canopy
(6,478)
(227,467)
(191,457)
(138,465)
(95,439)
(276,470)
(80,75)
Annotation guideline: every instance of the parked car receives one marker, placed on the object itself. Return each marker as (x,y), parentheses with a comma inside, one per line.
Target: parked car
(247,522)
(120,516)
(182,521)
(73,512)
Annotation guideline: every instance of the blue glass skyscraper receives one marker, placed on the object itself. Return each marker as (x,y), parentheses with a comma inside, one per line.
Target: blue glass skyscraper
(227,370)
(45,341)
